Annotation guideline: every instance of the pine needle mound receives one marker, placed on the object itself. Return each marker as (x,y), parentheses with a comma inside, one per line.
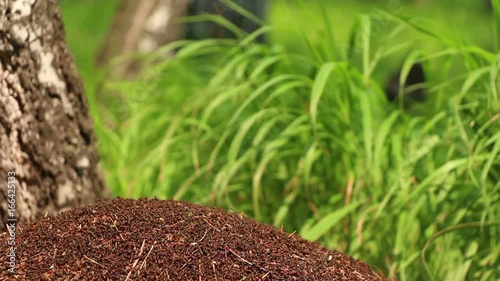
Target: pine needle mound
(150,239)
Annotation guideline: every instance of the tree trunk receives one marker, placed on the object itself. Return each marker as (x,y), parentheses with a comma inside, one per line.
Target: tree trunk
(48,152)
(141,27)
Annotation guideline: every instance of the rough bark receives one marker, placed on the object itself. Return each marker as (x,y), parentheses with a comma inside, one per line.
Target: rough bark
(46,132)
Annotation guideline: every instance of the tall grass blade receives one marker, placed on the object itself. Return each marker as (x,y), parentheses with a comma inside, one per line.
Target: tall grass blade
(318,90)
(327,222)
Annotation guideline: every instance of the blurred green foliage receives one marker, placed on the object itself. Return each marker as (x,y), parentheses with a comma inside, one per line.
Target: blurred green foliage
(86,24)
(462,20)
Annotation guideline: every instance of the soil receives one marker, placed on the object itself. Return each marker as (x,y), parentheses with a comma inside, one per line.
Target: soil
(150,239)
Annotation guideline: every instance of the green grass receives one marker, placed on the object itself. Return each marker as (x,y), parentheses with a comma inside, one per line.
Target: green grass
(463,20)
(299,134)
